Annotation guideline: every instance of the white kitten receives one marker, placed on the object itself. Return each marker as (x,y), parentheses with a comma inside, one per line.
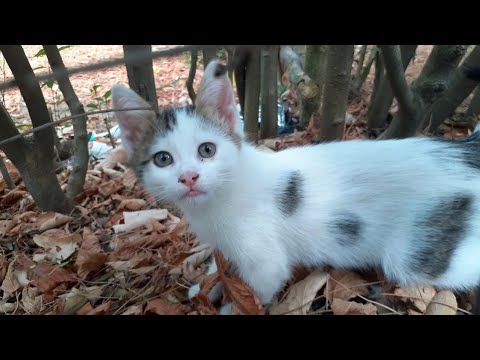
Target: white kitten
(407,206)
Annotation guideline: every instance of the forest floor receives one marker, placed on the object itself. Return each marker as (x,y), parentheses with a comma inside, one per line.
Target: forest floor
(119,253)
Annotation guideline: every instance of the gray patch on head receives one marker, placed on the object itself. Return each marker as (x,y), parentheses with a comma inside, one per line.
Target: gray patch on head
(290,194)
(468,149)
(346,228)
(442,230)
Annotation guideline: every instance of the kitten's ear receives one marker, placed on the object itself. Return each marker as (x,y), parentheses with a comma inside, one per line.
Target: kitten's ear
(133,123)
(215,98)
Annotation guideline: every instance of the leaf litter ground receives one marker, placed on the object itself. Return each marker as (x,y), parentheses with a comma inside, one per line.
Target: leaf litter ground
(120,252)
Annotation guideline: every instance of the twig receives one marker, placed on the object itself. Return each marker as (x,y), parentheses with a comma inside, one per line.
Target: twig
(110,63)
(435,302)
(53,123)
(191,75)
(6,175)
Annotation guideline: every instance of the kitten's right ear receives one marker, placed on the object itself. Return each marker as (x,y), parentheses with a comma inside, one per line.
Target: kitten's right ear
(133,123)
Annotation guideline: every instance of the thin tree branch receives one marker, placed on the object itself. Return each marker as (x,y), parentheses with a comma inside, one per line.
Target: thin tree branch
(53,123)
(6,175)
(191,75)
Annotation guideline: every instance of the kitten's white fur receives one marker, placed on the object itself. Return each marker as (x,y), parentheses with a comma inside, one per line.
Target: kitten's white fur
(387,183)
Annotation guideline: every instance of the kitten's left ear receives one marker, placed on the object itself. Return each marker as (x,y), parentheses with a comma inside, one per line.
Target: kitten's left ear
(215,98)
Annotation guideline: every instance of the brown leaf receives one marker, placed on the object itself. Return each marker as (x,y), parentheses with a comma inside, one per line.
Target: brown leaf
(108,188)
(45,277)
(136,261)
(32,302)
(112,158)
(3,185)
(10,283)
(101,309)
(78,296)
(443,303)
(91,257)
(50,220)
(420,296)
(59,245)
(134,310)
(165,307)
(3,268)
(341,282)
(85,309)
(343,307)
(129,179)
(12,197)
(243,296)
(300,295)
(132,204)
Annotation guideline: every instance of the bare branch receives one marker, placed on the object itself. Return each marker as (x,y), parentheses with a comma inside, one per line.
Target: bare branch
(53,123)
(80,154)
(268,81)
(6,175)
(191,75)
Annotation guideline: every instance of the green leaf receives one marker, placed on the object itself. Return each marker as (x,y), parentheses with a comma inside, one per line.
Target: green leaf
(95,87)
(64,47)
(99,99)
(48,83)
(92,106)
(174,82)
(40,52)
(107,94)
(39,67)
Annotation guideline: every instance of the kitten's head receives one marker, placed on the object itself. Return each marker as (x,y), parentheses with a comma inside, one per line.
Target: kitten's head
(183,155)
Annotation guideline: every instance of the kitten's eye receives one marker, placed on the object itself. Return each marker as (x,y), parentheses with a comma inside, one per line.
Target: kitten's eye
(207,150)
(162,159)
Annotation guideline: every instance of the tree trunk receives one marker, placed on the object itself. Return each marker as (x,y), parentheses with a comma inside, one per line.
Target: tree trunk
(208,55)
(252,95)
(409,113)
(191,75)
(335,96)
(458,89)
(138,59)
(240,62)
(34,162)
(315,66)
(425,90)
(80,159)
(382,96)
(269,98)
(474,107)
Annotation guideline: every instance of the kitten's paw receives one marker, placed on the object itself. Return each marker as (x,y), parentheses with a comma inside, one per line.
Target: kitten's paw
(226,309)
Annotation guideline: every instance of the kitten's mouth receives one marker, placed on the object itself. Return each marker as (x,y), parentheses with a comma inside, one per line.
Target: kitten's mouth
(193,193)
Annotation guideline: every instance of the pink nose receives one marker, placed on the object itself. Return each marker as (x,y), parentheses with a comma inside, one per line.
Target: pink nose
(189,178)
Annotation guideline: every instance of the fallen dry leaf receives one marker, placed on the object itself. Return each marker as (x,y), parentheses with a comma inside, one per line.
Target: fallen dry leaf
(78,297)
(59,245)
(15,278)
(45,277)
(112,158)
(165,307)
(420,296)
(85,309)
(101,309)
(134,310)
(443,303)
(345,285)
(343,307)
(243,296)
(7,308)
(137,260)
(108,188)
(31,300)
(91,257)
(199,255)
(300,295)
(3,268)
(12,197)
(132,204)
(129,179)
(50,220)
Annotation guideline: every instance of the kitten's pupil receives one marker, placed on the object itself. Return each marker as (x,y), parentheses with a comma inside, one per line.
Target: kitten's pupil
(162,159)
(207,150)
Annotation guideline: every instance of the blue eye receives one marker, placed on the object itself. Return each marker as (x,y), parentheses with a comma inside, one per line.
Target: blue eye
(207,150)
(162,159)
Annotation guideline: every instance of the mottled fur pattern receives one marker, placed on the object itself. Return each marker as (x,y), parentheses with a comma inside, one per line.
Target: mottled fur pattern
(409,207)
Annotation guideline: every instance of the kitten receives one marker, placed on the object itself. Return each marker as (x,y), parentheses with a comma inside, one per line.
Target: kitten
(410,207)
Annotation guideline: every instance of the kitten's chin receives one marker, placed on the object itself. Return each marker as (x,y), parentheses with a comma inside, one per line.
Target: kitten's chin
(193,198)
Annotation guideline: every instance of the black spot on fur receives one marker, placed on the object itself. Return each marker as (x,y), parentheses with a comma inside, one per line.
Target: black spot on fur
(291,194)
(220,70)
(469,148)
(442,229)
(168,117)
(347,228)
